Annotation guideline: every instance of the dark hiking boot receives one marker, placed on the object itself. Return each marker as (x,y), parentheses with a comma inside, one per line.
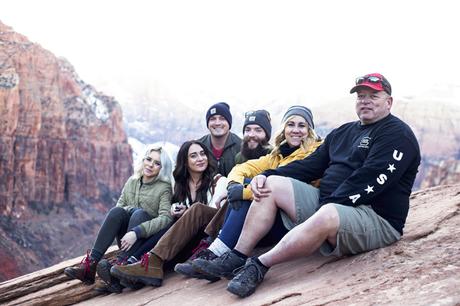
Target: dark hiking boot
(103,271)
(102,288)
(247,278)
(86,271)
(222,266)
(148,271)
(187,268)
(126,284)
(131,285)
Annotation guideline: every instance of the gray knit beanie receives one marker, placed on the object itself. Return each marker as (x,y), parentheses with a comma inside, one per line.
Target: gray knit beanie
(301,111)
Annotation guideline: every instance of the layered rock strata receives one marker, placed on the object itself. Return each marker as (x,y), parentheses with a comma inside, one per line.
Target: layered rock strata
(63,152)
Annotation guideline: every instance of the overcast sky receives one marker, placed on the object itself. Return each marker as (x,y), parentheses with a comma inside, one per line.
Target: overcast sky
(246,51)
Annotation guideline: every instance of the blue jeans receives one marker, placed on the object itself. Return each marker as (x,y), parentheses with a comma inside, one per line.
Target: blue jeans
(233,225)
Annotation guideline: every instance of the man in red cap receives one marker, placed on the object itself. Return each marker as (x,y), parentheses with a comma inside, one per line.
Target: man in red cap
(367,170)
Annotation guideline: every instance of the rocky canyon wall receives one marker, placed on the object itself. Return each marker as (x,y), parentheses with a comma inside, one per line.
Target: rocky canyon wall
(63,154)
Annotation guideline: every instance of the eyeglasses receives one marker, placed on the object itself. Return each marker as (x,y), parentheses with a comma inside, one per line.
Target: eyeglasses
(375,79)
(258,112)
(149,160)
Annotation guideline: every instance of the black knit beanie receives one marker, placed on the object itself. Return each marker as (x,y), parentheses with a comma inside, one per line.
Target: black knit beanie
(261,118)
(222,109)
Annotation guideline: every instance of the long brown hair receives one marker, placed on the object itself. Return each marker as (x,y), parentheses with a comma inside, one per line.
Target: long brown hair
(181,175)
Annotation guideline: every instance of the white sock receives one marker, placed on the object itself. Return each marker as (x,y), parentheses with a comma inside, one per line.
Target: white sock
(218,247)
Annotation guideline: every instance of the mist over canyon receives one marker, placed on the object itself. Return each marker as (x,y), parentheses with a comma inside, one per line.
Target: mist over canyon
(433,115)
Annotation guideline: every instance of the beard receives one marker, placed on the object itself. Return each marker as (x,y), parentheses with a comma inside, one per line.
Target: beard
(255,153)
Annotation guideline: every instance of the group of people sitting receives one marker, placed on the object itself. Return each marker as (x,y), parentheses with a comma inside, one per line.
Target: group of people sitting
(343,195)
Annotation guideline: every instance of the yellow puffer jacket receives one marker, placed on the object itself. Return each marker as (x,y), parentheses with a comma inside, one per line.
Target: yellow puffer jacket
(254,167)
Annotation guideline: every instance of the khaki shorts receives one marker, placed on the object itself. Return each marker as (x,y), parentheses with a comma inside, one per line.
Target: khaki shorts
(306,199)
(361,229)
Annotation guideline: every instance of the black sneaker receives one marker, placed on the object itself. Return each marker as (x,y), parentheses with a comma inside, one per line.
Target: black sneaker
(247,278)
(222,266)
(112,283)
(187,268)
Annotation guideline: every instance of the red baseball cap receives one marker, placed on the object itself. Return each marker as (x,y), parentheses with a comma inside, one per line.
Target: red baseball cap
(374,81)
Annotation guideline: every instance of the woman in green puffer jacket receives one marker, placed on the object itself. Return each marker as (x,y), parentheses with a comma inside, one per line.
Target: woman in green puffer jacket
(142,210)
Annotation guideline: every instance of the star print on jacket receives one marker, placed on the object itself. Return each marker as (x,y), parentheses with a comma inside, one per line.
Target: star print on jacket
(369,189)
(391,168)
(388,163)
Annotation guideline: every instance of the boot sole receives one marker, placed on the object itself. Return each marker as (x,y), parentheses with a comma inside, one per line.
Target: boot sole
(130,285)
(87,282)
(196,274)
(237,291)
(108,290)
(206,271)
(155,282)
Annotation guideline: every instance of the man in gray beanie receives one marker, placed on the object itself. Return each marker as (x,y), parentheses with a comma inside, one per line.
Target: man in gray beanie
(223,144)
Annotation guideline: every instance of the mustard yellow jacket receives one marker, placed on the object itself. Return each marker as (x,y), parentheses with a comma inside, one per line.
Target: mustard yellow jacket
(254,167)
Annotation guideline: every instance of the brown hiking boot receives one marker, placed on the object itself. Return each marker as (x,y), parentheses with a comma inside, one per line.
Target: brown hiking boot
(86,271)
(148,271)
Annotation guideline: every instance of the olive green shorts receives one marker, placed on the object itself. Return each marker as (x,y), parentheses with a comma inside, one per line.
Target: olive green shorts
(306,199)
(361,229)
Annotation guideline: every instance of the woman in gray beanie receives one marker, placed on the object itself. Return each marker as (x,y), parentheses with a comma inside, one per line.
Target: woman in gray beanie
(301,111)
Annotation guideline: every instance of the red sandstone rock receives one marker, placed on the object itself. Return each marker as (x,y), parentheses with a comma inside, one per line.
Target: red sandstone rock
(421,269)
(63,150)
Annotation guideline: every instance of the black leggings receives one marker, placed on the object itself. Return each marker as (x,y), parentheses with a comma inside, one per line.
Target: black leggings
(116,224)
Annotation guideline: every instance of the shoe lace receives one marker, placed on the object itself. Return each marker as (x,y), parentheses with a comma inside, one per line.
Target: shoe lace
(86,262)
(224,257)
(246,273)
(145,261)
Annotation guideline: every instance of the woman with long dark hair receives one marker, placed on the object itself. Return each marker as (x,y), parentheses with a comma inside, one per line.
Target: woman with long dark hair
(197,195)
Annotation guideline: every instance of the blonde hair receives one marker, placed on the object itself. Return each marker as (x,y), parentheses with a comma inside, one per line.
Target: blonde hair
(280,138)
(165,174)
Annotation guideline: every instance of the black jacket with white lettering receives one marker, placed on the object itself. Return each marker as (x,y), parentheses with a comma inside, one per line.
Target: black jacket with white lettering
(373,164)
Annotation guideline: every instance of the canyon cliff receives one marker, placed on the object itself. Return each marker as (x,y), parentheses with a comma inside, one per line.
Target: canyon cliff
(64,157)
